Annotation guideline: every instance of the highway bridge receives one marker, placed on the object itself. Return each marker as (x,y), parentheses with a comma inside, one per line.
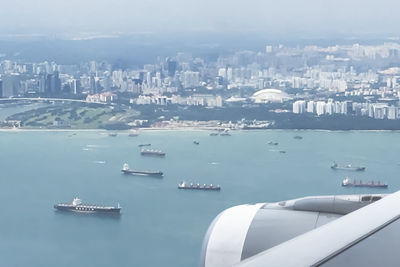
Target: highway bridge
(45,99)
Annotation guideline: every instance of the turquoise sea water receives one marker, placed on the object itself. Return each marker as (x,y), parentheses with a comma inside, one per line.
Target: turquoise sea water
(161,225)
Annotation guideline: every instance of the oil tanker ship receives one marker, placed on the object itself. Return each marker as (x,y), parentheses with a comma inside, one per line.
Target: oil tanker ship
(152,152)
(126,170)
(77,206)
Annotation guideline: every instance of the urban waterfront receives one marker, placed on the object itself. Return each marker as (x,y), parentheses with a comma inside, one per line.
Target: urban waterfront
(161,225)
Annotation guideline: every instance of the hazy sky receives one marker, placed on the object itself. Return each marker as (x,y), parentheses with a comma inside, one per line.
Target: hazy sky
(308,16)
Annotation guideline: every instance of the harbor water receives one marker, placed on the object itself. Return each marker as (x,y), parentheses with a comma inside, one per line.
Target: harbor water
(159,224)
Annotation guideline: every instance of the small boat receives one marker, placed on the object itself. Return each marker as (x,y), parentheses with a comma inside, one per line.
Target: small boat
(273,143)
(354,183)
(77,206)
(191,186)
(142,145)
(112,134)
(133,134)
(214,134)
(126,170)
(347,167)
(298,137)
(196,142)
(282,151)
(152,152)
(225,133)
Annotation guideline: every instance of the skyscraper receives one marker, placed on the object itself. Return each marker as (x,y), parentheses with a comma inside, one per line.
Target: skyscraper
(191,79)
(11,85)
(171,67)
(53,83)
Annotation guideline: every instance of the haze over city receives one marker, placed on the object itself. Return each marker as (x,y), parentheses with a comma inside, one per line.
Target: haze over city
(300,17)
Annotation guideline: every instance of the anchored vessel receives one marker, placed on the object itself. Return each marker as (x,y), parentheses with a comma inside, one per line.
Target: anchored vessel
(141,145)
(184,185)
(348,167)
(354,183)
(77,206)
(151,152)
(126,170)
(225,133)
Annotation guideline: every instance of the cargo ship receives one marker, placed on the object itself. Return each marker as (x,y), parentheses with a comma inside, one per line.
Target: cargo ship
(191,186)
(152,152)
(77,206)
(347,167)
(126,170)
(354,183)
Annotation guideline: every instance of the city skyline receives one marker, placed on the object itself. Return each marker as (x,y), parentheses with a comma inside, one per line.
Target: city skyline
(277,87)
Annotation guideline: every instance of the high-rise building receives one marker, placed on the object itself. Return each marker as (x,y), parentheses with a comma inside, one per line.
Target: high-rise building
(11,85)
(92,83)
(330,108)
(310,106)
(320,108)
(222,73)
(229,74)
(171,68)
(75,87)
(392,113)
(191,79)
(299,107)
(148,80)
(42,83)
(53,83)
(260,83)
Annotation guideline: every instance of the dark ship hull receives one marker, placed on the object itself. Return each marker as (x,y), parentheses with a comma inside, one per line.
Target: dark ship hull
(144,173)
(142,145)
(152,153)
(199,187)
(87,209)
(357,169)
(366,185)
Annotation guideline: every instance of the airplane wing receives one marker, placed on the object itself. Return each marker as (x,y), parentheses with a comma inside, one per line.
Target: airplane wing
(354,230)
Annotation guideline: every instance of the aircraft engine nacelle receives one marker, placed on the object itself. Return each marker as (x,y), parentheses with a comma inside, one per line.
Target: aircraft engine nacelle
(246,230)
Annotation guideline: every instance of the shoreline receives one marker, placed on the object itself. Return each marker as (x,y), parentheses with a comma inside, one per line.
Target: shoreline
(180,129)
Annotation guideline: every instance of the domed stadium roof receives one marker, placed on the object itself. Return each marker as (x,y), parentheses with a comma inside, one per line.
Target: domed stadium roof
(270,95)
